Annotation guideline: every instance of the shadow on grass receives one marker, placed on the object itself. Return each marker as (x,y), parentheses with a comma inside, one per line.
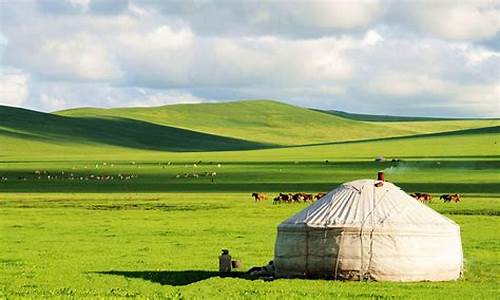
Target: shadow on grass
(30,125)
(470,131)
(174,278)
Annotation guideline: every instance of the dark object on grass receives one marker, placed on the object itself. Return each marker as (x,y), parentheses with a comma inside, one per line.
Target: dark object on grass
(224,262)
(266,272)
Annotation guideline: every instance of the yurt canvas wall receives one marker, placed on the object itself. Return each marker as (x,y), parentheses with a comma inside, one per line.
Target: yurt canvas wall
(361,230)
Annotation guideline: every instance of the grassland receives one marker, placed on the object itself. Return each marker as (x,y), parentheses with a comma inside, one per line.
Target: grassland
(158,236)
(272,122)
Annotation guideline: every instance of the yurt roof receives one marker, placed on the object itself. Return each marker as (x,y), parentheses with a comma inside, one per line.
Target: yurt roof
(366,204)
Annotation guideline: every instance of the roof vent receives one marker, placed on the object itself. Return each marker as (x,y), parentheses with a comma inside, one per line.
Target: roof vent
(380,179)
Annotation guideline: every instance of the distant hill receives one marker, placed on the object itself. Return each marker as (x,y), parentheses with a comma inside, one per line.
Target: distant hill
(389,118)
(24,129)
(239,125)
(271,122)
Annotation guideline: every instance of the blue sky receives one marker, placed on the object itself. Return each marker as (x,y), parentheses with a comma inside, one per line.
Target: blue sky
(434,58)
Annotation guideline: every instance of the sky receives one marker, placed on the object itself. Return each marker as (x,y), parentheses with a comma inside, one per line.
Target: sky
(423,58)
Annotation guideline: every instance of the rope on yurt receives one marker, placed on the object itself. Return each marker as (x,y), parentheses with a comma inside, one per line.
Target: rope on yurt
(339,254)
(361,231)
(324,263)
(307,252)
(306,226)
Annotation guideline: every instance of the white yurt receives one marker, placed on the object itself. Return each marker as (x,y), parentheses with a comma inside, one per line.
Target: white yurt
(369,229)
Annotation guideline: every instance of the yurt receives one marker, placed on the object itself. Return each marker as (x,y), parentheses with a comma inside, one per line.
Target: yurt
(369,230)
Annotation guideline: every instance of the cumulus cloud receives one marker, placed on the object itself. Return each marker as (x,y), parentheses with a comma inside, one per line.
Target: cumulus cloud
(367,56)
(158,98)
(80,57)
(13,88)
(478,98)
(287,18)
(458,20)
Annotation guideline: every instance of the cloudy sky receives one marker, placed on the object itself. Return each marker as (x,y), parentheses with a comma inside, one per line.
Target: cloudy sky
(433,58)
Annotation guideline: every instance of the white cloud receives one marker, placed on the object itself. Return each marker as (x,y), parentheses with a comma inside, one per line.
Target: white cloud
(81,57)
(82,4)
(475,54)
(53,103)
(334,14)
(157,98)
(479,99)
(461,20)
(331,54)
(13,88)
(404,84)
(274,17)
(372,38)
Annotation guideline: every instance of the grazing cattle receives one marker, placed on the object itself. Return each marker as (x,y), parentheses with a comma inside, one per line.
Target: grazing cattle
(259,196)
(422,197)
(277,200)
(319,195)
(450,197)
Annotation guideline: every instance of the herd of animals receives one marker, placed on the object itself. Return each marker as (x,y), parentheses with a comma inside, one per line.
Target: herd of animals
(427,198)
(46,175)
(289,197)
(305,197)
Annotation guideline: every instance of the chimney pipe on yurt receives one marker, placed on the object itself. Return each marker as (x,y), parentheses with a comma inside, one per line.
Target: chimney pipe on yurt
(380,176)
(362,230)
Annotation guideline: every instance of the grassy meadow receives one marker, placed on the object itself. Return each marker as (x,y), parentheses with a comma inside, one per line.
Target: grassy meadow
(158,233)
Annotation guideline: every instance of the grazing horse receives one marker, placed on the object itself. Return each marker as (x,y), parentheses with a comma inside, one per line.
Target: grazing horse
(455,198)
(297,197)
(422,197)
(285,197)
(445,198)
(319,195)
(426,198)
(259,196)
(450,197)
(307,197)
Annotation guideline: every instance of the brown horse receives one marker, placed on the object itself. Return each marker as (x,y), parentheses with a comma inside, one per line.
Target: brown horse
(307,197)
(455,198)
(450,197)
(297,197)
(422,197)
(259,196)
(286,198)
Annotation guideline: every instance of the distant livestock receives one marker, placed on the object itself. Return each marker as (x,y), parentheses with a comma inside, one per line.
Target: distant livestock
(450,198)
(319,195)
(422,197)
(293,198)
(259,197)
(62,175)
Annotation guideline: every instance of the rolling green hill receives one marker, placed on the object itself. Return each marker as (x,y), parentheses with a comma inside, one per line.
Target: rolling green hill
(22,130)
(273,122)
(243,125)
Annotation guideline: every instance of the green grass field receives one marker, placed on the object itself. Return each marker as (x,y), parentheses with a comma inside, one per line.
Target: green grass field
(158,236)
